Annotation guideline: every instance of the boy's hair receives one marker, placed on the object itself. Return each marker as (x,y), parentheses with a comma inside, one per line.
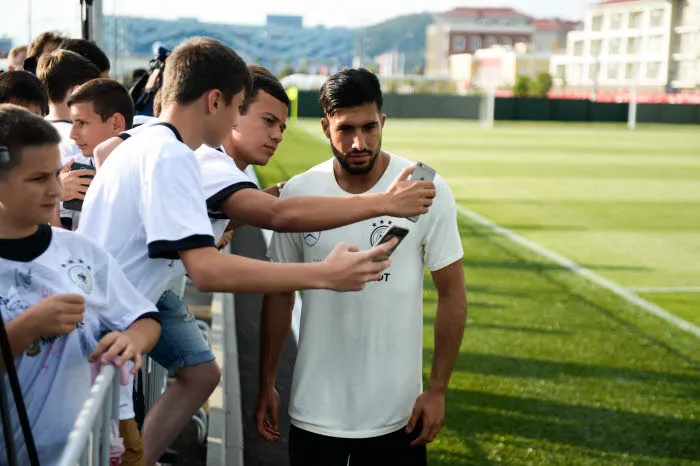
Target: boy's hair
(23,88)
(37,45)
(108,97)
(16,51)
(89,50)
(202,64)
(20,128)
(264,80)
(62,70)
(350,88)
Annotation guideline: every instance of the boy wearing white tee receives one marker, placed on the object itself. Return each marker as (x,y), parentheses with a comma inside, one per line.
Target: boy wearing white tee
(357,391)
(59,293)
(62,71)
(146,206)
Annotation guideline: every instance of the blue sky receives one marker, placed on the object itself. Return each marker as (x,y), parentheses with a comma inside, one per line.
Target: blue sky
(63,14)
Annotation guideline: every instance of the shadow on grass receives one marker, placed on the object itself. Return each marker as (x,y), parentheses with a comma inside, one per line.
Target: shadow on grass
(601,429)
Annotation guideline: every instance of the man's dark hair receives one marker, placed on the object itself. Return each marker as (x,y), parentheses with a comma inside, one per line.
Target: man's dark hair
(264,81)
(20,128)
(350,88)
(37,46)
(61,70)
(200,65)
(108,97)
(89,50)
(23,88)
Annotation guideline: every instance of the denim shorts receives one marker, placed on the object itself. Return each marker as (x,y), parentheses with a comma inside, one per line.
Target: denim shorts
(181,342)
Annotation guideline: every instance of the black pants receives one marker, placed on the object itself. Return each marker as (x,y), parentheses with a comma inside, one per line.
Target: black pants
(309,449)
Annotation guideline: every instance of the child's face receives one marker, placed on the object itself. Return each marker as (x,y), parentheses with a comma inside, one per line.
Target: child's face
(31,191)
(88,128)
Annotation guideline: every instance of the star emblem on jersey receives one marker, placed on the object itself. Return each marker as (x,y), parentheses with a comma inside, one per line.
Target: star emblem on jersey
(379,227)
(80,274)
(312,238)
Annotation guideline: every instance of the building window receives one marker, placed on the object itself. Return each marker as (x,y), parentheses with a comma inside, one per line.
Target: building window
(593,72)
(459,44)
(578,48)
(476,42)
(653,69)
(490,41)
(595,47)
(657,18)
(635,21)
(597,23)
(655,44)
(507,41)
(614,46)
(687,44)
(630,71)
(613,71)
(616,21)
(632,46)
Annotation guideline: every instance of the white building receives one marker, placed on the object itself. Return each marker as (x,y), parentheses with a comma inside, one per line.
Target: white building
(628,41)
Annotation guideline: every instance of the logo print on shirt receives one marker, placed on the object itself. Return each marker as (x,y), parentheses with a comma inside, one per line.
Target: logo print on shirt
(23,280)
(80,274)
(312,238)
(379,229)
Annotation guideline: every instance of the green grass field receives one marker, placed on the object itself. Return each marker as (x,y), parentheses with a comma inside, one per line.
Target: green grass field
(553,368)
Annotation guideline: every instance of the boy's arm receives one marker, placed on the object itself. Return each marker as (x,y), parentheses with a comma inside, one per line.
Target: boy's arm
(317,213)
(140,337)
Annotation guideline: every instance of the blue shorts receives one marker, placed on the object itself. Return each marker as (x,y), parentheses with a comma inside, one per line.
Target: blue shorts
(181,342)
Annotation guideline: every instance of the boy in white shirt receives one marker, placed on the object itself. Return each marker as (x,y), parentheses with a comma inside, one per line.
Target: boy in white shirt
(357,385)
(60,294)
(62,71)
(146,206)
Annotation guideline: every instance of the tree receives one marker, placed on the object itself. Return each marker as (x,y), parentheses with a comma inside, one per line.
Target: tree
(373,67)
(286,71)
(542,85)
(523,86)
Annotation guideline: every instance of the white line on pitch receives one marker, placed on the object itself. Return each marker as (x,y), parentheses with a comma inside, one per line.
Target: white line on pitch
(567,263)
(665,289)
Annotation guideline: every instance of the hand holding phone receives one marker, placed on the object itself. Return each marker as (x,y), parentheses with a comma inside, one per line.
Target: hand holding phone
(76,181)
(422,172)
(394,232)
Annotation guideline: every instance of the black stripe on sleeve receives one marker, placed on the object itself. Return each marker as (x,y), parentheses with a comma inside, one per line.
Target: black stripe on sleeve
(164,249)
(214,202)
(124,136)
(149,315)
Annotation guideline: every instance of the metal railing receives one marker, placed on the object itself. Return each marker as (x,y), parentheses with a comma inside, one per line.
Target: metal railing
(89,441)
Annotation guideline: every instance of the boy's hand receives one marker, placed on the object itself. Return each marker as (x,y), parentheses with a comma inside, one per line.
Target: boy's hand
(57,315)
(117,348)
(75,187)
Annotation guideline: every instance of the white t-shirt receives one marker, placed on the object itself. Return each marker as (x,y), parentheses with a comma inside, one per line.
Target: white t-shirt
(54,373)
(221,178)
(145,205)
(358,370)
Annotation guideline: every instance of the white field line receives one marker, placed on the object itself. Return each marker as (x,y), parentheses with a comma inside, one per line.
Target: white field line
(568,264)
(588,274)
(665,289)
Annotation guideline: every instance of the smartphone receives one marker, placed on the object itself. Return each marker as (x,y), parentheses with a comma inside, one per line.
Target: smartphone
(77,204)
(421,173)
(393,232)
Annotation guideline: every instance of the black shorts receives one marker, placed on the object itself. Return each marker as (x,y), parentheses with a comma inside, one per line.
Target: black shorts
(394,449)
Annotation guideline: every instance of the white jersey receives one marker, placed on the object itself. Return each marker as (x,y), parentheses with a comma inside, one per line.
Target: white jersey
(146,204)
(54,373)
(221,178)
(358,370)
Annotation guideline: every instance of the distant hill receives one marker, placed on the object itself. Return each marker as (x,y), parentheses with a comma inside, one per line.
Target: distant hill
(277,46)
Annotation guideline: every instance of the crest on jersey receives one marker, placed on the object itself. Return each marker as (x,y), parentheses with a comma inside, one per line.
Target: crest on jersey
(312,238)
(80,274)
(380,227)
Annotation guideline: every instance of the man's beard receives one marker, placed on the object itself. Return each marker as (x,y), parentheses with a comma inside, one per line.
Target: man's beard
(354,170)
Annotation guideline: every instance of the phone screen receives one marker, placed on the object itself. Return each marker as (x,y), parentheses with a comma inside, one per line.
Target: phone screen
(393,232)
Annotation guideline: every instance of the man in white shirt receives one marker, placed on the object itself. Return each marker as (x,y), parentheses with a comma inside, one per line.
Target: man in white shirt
(60,294)
(62,71)
(146,206)
(357,391)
